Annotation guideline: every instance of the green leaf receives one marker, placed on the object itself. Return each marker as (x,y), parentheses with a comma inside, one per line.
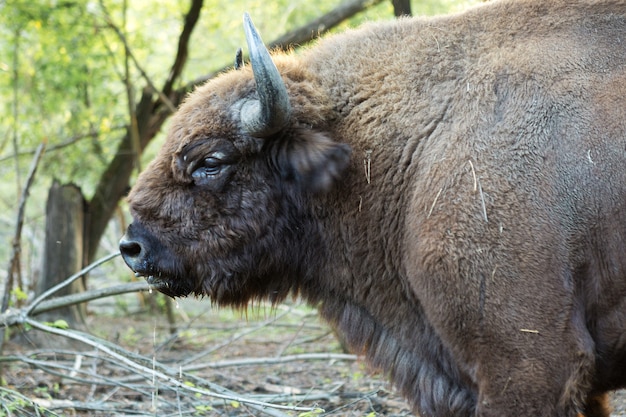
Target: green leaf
(58,324)
(312,413)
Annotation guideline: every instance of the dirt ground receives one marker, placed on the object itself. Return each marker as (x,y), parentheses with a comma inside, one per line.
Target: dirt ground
(283,356)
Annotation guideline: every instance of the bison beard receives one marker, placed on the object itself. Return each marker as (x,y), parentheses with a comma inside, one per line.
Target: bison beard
(449,192)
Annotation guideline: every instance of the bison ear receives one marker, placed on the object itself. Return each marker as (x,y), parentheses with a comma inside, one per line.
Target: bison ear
(314,160)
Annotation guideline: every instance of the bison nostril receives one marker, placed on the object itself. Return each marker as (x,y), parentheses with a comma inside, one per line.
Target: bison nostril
(131,249)
(133,253)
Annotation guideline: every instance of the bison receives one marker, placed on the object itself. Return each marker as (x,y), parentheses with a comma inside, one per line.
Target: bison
(450,192)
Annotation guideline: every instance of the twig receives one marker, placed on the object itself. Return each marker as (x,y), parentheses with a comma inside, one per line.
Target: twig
(16,102)
(68,281)
(52,368)
(482,201)
(69,142)
(474,175)
(8,396)
(182,52)
(130,55)
(154,372)
(14,316)
(479,188)
(54,404)
(432,207)
(529,331)
(273,360)
(360,398)
(367,165)
(17,237)
(239,335)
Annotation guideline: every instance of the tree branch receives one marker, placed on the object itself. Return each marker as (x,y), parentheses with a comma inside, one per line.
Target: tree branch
(323,24)
(183,45)
(11,317)
(129,54)
(69,142)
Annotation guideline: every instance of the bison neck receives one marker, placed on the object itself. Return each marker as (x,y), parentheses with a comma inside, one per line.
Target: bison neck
(361,289)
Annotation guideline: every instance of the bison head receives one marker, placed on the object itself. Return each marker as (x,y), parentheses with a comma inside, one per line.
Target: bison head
(227,205)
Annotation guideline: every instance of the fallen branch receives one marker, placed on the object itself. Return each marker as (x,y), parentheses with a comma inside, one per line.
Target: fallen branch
(13,316)
(52,404)
(273,360)
(162,373)
(69,280)
(14,403)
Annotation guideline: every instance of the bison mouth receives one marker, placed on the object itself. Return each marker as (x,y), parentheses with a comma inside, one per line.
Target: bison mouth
(164,285)
(149,258)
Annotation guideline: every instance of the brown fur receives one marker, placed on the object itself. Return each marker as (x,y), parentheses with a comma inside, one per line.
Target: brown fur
(451,193)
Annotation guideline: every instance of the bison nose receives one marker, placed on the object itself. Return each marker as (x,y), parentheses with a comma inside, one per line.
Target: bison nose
(134,253)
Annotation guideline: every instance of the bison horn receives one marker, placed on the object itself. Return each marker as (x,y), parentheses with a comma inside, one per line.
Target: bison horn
(271,112)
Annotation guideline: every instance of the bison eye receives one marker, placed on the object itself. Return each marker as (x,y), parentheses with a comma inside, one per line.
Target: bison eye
(207,163)
(209,166)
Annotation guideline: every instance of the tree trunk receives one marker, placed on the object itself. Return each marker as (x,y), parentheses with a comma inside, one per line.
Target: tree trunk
(401,7)
(64,248)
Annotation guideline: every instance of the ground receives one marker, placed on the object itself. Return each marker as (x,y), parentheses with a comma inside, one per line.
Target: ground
(284,356)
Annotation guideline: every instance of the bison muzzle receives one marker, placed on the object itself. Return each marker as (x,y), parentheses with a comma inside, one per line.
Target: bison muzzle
(449,192)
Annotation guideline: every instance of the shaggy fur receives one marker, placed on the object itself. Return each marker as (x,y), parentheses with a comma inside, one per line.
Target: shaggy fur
(450,192)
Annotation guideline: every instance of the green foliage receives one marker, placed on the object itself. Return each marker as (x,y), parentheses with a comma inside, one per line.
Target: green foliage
(202,410)
(436,7)
(58,324)
(14,404)
(18,294)
(44,391)
(130,336)
(67,75)
(313,413)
